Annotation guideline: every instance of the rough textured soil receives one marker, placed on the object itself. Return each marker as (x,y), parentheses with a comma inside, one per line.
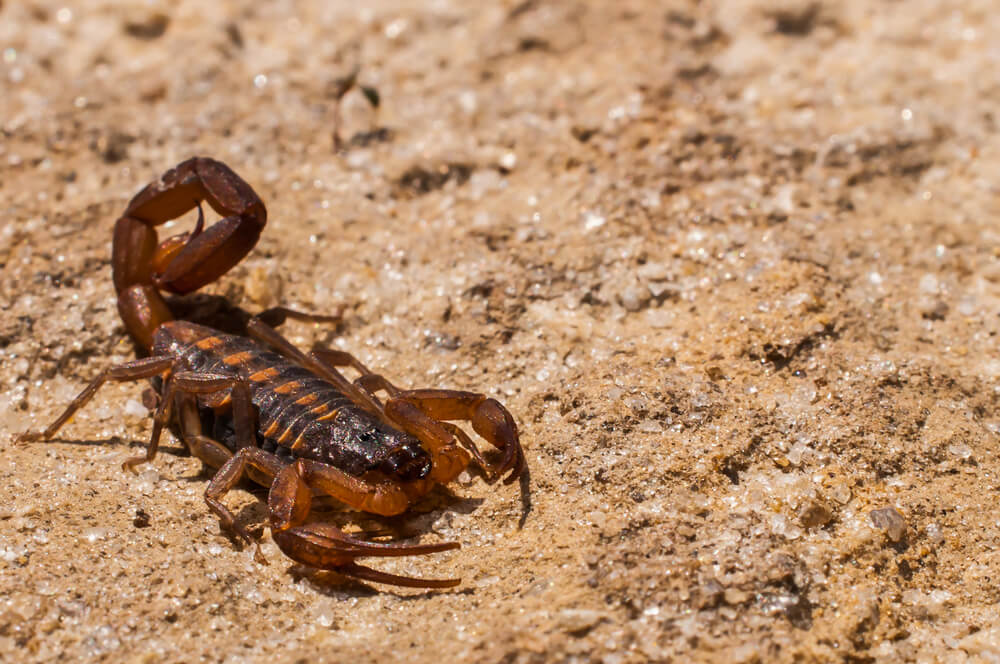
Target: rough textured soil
(733,266)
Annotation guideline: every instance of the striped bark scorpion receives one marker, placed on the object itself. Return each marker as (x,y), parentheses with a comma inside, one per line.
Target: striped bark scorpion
(288,420)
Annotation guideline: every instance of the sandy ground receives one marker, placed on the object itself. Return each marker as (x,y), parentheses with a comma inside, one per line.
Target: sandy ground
(733,266)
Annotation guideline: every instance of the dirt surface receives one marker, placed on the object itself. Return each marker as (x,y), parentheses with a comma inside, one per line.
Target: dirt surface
(733,267)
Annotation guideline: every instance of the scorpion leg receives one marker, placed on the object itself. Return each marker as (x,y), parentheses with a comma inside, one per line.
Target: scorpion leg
(129,371)
(228,476)
(192,383)
(210,451)
(325,546)
(276,316)
(380,498)
(471,447)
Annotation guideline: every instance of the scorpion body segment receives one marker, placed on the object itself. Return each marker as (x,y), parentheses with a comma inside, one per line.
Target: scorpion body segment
(255,406)
(299,412)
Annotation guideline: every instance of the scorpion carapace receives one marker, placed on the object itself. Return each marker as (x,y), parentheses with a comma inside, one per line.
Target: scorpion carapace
(257,406)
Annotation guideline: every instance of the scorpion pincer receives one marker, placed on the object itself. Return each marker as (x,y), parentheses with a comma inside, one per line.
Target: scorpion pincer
(257,406)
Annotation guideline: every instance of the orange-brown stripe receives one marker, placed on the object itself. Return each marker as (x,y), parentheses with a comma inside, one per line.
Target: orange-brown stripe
(285,435)
(298,441)
(288,387)
(306,400)
(329,416)
(264,374)
(208,343)
(237,358)
(271,429)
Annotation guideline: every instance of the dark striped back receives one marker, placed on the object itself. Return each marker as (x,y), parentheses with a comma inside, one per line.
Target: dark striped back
(299,414)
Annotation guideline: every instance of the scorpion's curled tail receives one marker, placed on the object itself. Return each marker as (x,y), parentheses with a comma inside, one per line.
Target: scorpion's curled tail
(142,266)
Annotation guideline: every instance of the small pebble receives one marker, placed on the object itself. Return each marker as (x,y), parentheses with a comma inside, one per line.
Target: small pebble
(578,620)
(813,513)
(891,521)
(135,409)
(97,534)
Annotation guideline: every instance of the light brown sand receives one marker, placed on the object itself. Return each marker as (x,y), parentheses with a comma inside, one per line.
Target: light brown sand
(734,269)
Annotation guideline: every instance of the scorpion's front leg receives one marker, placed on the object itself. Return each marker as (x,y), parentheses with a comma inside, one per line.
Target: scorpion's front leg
(130,371)
(185,262)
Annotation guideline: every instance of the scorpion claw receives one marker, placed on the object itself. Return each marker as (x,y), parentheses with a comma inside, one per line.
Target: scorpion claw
(412,409)
(356,571)
(325,546)
(492,421)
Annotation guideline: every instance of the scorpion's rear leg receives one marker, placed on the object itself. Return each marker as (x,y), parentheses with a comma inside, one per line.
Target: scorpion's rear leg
(216,391)
(210,451)
(130,371)
(276,316)
(320,545)
(228,390)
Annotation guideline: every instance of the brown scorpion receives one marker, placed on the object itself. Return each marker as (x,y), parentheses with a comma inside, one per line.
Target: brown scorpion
(257,406)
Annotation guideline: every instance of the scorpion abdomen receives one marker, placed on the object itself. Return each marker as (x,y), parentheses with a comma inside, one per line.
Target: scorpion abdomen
(298,414)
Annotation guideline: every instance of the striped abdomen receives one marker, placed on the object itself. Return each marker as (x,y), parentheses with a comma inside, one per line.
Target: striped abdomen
(299,414)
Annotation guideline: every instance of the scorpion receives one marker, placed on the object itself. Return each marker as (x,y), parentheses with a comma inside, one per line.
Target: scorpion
(256,406)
